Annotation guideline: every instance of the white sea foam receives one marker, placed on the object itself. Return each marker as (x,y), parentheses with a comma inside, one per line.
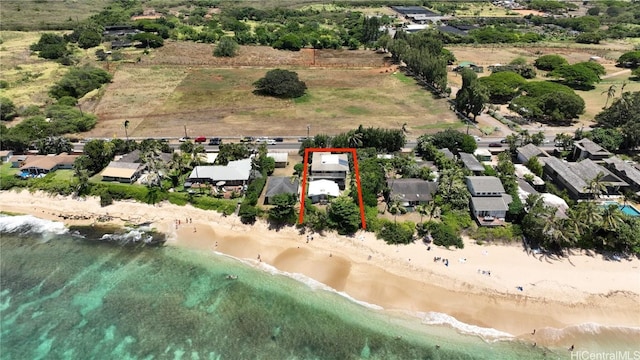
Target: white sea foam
(131,236)
(28,224)
(487,334)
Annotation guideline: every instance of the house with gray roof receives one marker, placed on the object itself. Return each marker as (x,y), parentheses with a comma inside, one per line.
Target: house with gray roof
(489,202)
(575,177)
(625,171)
(524,153)
(471,163)
(328,166)
(234,173)
(277,185)
(587,149)
(412,192)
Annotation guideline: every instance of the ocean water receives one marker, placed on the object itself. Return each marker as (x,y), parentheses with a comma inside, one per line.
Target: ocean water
(81,294)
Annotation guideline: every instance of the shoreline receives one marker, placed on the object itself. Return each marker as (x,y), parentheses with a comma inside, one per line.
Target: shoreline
(573,293)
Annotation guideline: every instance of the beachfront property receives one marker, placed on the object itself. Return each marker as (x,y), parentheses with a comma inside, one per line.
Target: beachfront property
(471,163)
(411,192)
(281,158)
(236,172)
(328,166)
(277,185)
(489,201)
(321,191)
(44,164)
(625,171)
(587,149)
(575,177)
(523,172)
(525,153)
(127,168)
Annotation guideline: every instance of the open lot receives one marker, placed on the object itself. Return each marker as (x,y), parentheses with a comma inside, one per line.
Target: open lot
(41,14)
(212,96)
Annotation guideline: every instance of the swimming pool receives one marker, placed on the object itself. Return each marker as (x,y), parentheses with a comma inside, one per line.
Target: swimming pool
(627,209)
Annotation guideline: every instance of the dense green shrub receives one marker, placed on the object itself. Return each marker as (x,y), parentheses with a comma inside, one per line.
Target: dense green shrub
(396,233)
(106,199)
(253,191)
(79,81)
(247,213)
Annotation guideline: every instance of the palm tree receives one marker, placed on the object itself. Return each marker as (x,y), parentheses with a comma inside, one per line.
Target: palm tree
(423,210)
(83,180)
(611,92)
(596,186)
(575,225)
(612,217)
(554,230)
(355,139)
(126,126)
(588,215)
(395,207)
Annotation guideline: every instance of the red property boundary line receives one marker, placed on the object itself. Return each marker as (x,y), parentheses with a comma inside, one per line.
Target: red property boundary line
(303,192)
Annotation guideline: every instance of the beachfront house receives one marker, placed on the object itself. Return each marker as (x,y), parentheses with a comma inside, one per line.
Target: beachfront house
(328,166)
(587,149)
(489,201)
(236,172)
(44,164)
(525,153)
(124,172)
(411,192)
(321,191)
(626,171)
(277,185)
(575,177)
(471,163)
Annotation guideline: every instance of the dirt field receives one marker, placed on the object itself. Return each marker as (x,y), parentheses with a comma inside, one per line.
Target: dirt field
(213,96)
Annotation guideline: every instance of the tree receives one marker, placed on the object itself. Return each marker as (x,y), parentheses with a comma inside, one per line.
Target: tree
(580,75)
(97,155)
(608,138)
(502,86)
(396,233)
(231,152)
(7,109)
(472,96)
(79,81)
(343,215)
(289,41)
(51,46)
(227,47)
(535,166)
(591,37)
(622,111)
(565,141)
(548,101)
(149,40)
(550,62)
(280,83)
(450,139)
(283,211)
(596,187)
(630,59)
(611,93)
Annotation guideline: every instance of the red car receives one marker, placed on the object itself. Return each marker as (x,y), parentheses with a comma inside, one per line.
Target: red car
(200,139)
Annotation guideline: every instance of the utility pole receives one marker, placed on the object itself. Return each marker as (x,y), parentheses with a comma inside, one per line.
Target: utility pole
(126,126)
(308,129)
(185,130)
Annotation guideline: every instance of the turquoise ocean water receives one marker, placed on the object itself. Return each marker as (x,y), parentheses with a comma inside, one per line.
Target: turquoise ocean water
(70,295)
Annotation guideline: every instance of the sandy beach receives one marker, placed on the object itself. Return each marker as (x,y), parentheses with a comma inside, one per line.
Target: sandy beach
(479,285)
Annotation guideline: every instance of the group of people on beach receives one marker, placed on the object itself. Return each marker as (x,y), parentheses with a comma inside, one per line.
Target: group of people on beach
(444,261)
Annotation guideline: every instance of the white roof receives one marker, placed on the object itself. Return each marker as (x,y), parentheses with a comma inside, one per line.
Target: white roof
(235,170)
(521,171)
(211,157)
(323,187)
(482,152)
(278,156)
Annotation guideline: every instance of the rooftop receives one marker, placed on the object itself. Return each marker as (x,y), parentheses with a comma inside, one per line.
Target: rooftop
(281,185)
(470,162)
(485,184)
(324,161)
(323,187)
(492,203)
(412,189)
(234,170)
(530,150)
(630,171)
(591,147)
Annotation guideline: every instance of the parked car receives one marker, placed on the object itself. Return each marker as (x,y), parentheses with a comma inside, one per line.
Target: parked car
(247,139)
(265,140)
(278,139)
(184,139)
(200,139)
(215,141)
(495,144)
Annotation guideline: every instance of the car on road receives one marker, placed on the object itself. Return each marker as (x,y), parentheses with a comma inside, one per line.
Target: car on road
(247,139)
(200,139)
(495,145)
(265,140)
(478,138)
(215,141)
(279,139)
(302,139)
(503,141)
(184,139)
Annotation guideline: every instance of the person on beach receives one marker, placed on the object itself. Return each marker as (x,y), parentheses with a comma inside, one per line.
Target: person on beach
(571,348)
(534,332)
(259,259)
